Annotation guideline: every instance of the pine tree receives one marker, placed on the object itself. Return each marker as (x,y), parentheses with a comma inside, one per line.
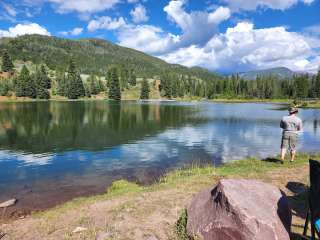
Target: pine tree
(317,85)
(132,78)
(144,89)
(62,84)
(124,75)
(45,80)
(4,87)
(42,82)
(25,86)
(7,65)
(75,88)
(114,89)
(93,83)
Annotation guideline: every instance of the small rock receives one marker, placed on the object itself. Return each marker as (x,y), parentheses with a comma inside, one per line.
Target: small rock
(152,238)
(8,203)
(79,229)
(103,236)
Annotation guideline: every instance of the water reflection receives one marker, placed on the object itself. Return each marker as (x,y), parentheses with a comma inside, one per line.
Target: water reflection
(80,147)
(55,127)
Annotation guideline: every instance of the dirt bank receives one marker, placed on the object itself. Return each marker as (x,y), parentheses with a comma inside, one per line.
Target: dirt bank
(129,211)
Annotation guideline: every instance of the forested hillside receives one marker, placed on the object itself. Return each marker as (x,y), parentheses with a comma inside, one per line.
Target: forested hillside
(91,56)
(41,67)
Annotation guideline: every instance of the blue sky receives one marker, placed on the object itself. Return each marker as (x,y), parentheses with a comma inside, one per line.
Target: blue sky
(224,35)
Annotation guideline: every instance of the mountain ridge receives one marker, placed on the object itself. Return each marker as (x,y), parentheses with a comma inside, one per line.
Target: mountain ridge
(92,55)
(279,72)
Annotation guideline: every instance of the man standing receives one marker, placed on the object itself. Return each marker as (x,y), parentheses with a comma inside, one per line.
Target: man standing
(291,126)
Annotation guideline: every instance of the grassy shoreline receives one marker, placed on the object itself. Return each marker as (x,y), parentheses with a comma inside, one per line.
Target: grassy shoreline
(122,203)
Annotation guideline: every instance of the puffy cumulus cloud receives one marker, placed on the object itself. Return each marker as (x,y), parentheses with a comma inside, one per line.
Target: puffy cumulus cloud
(147,38)
(198,26)
(23,29)
(244,47)
(83,6)
(254,4)
(154,40)
(192,56)
(139,14)
(74,32)
(106,22)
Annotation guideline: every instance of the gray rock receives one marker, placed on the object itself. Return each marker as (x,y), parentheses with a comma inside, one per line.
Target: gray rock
(240,210)
(8,203)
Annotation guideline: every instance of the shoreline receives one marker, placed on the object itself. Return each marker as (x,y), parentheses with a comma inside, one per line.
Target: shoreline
(155,209)
(188,180)
(308,104)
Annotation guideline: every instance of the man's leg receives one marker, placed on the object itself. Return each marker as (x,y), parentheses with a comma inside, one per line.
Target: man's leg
(292,145)
(284,147)
(293,155)
(283,153)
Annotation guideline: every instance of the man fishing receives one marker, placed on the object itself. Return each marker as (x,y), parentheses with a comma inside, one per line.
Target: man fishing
(291,126)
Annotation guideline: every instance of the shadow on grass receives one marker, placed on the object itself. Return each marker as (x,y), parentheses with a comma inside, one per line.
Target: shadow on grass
(273,160)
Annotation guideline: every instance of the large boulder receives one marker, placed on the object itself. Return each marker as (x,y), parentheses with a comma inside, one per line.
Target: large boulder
(239,209)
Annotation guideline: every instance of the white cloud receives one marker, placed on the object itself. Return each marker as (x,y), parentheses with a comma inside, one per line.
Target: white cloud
(139,14)
(23,29)
(83,6)
(198,26)
(105,22)
(254,4)
(133,1)
(74,32)
(244,47)
(197,29)
(146,38)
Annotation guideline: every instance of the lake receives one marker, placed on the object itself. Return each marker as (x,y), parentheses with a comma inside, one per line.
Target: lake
(51,152)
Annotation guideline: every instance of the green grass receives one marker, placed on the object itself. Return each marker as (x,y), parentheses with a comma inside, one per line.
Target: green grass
(189,175)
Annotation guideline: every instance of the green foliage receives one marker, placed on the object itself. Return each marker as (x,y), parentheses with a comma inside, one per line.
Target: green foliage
(145,90)
(42,93)
(74,84)
(42,83)
(94,56)
(91,56)
(114,89)
(317,85)
(132,78)
(25,85)
(123,186)
(7,65)
(5,86)
(181,226)
(61,84)
(94,85)
(301,85)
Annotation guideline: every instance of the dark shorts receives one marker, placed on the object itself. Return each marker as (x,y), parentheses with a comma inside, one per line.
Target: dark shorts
(289,141)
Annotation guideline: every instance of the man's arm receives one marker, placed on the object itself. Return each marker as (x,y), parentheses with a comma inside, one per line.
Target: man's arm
(300,125)
(282,124)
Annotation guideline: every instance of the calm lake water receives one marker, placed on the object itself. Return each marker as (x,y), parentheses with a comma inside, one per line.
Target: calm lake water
(53,151)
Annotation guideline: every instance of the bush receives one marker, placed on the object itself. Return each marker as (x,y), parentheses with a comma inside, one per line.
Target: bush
(181,227)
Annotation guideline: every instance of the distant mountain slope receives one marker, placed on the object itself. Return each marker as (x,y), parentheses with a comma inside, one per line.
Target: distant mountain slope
(90,55)
(280,72)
